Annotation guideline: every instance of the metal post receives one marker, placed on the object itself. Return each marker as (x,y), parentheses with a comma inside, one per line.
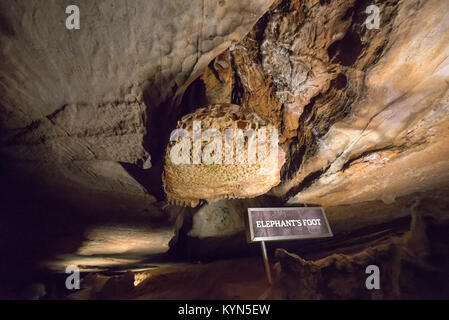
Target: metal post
(265,260)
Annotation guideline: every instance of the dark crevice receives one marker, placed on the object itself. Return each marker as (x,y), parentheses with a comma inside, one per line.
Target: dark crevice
(259,35)
(305,183)
(6,28)
(178,245)
(339,82)
(237,88)
(349,13)
(285,7)
(297,149)
(325,2)
(362,155)
(307,110)
(294,159)
(345,51)
(160,122)
(214,71)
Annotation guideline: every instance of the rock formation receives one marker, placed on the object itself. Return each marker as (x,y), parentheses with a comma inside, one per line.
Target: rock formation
(362,115)
(240,166)
(356,106)
(76,103)
(411,266)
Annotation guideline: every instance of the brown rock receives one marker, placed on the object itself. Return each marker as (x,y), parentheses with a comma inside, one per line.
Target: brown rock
(411,266)
(188,183)
(219,79)
(69,98)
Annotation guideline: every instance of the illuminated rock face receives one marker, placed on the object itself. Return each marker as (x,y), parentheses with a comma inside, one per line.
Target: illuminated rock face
(364,111)
(380,131)
(237,172)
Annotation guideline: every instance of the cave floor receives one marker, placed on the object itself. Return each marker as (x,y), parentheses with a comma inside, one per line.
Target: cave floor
(235,279)
(110,273)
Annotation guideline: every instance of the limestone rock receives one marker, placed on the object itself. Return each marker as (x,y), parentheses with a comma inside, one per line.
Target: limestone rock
(255,90)
(392,140)
(68,97)
(219,219)
(188,183)
(237,76)
(224,218)
(411,266)
(362,112)
(219,80)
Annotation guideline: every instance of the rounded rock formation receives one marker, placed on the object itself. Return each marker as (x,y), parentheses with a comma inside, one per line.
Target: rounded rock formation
(237,167)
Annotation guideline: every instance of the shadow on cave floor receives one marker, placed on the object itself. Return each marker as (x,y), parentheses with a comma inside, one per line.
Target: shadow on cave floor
(218,272)
(42,232)
(41,235)
(117,255)
(136,274)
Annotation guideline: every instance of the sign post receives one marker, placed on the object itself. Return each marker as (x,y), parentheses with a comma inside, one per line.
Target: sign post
(275,224)
(265,260)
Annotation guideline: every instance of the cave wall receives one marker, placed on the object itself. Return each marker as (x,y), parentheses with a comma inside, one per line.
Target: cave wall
(412,265)
(363,112)
(75,104)
(355,106)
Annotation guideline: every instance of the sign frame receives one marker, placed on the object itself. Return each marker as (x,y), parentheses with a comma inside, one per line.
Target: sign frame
(250,230)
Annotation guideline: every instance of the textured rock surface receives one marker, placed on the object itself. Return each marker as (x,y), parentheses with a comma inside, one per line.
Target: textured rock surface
(363,112)
(188,183)
(69,97)
(216,230)
(413,266)
(243,81)
(218,219)
(362,115)
(394,141)
(354,106)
